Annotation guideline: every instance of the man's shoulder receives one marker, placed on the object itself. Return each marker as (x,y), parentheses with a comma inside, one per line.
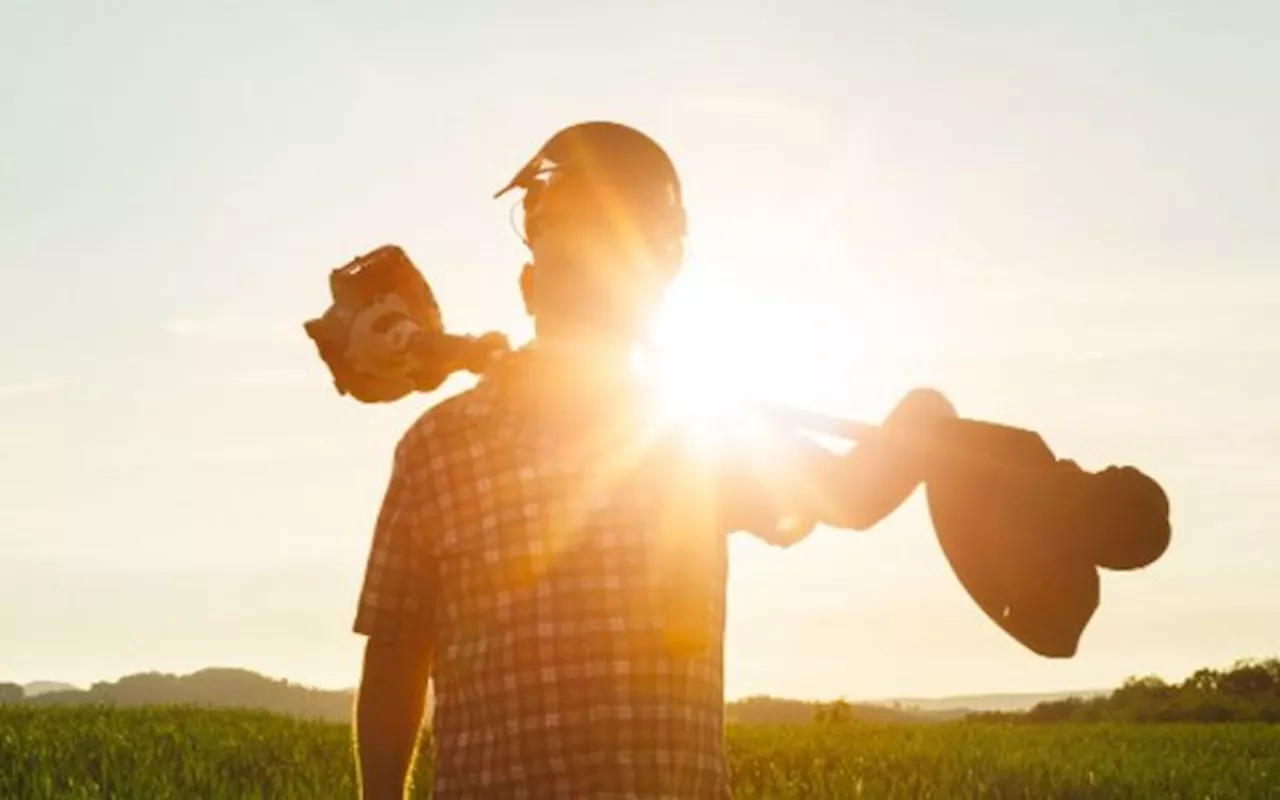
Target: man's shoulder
(443,420)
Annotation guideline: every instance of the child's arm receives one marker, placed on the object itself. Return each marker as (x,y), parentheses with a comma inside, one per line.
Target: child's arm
(780,488)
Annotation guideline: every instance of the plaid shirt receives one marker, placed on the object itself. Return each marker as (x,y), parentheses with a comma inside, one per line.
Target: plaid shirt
(566,559)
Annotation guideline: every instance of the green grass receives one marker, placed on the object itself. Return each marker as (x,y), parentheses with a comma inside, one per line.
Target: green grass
(159,753)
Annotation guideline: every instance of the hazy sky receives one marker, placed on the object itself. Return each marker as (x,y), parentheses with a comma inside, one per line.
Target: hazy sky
(1064,215)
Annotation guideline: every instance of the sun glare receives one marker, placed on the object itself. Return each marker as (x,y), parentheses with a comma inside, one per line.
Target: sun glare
(727,339)
(697,343)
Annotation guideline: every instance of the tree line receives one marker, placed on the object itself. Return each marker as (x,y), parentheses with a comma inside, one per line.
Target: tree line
(1247,691)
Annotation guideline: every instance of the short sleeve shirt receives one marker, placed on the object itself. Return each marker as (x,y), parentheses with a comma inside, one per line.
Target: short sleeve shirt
(566,562)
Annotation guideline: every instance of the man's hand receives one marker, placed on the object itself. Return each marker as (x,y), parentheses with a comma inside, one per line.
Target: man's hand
(389,711)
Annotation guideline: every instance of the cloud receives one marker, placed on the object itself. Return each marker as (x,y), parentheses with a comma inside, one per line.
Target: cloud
(37,385)
(237,329)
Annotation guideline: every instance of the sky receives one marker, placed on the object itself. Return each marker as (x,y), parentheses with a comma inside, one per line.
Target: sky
(1065,216)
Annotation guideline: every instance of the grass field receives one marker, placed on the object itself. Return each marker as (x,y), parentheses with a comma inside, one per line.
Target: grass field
(158,753)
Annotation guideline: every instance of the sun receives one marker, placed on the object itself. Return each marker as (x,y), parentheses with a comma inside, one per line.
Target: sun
(721,345)
(698,349)
(786,316)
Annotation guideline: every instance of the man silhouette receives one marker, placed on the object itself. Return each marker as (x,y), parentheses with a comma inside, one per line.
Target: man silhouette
(552,554)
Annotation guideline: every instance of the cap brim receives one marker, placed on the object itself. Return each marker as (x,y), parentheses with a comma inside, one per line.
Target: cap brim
(522,176)
(511,185)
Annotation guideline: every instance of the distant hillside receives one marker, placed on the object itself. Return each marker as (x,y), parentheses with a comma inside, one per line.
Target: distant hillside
(764,710)
(239,688)
(214,687)
(1248,690)
(223,687)
(37,688)
(991,702)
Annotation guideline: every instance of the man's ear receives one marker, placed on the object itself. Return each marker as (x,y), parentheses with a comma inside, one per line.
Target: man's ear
(526,290)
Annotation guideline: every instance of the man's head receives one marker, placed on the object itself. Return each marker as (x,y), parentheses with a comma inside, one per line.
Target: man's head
(604,221)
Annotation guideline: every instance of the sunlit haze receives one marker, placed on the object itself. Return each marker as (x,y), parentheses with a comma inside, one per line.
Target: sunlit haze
(1063,216)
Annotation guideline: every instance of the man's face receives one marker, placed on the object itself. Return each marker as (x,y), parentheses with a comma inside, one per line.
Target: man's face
(595,272)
